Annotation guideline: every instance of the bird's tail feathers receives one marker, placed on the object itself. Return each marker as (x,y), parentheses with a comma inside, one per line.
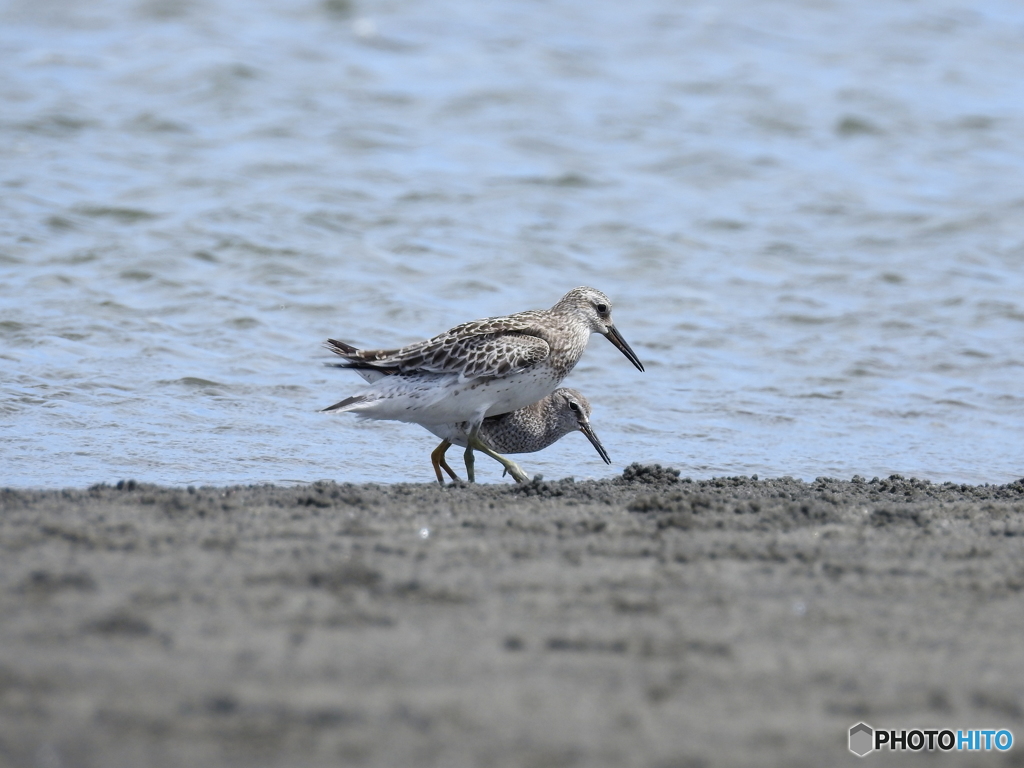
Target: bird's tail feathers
(368,373)
(340,347)
(356,363)
(347,404)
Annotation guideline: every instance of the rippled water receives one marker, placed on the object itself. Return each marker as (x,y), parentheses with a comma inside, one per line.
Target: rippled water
(810,216)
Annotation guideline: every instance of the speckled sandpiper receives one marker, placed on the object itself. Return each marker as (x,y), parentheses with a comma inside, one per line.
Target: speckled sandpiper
(526,430)
(482,368)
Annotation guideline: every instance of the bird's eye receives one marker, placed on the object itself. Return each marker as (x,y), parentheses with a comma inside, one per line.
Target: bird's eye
(602,308)
(575,407)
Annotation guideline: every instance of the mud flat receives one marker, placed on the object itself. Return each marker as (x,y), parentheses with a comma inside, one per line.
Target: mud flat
(641,621)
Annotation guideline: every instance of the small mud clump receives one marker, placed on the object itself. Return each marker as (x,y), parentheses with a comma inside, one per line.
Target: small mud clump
(650,474)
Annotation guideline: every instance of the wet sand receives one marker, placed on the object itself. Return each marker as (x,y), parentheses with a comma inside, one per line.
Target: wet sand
(642,621)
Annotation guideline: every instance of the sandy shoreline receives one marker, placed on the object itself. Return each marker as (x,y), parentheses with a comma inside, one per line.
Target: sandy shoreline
(641,621)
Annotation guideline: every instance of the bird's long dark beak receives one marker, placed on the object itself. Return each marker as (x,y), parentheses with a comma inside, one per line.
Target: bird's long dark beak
(615,338)
(586,430)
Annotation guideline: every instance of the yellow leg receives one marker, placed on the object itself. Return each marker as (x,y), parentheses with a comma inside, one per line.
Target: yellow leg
(437,459)
(510,466)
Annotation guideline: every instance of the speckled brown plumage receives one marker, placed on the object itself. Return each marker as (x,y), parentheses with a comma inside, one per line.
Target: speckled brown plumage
(526,430)
(536,426)
(480,368)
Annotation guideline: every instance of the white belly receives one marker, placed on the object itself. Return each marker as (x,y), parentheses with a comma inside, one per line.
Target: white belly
(454,433)
(432,399)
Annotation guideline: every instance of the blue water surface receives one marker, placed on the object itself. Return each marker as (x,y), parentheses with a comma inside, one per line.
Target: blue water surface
(809,216)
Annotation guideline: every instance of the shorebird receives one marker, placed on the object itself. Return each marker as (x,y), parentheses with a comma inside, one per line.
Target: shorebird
(526,430)
(481,368)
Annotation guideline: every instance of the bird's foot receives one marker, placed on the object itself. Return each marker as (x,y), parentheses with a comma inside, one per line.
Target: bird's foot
(517,474)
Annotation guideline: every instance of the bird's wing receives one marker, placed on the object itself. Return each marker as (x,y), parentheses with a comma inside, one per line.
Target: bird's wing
(481,348)
(495,354)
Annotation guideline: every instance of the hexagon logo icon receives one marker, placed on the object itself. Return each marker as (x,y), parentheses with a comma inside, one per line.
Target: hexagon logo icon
(862,737)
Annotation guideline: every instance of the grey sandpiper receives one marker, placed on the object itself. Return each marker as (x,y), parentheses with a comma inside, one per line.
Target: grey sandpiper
(481,368)
(526,430)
